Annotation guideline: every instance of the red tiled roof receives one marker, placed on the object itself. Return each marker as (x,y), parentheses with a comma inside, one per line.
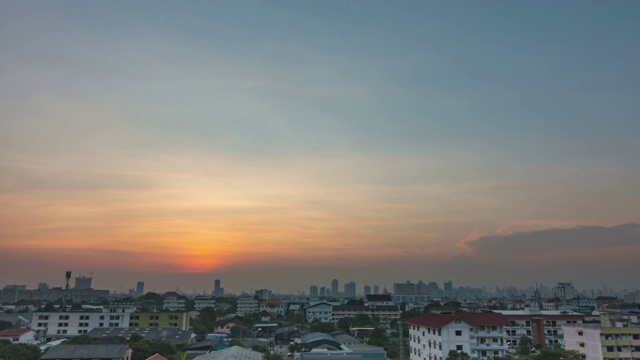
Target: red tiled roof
(156,356)
(14,332)
(437,321)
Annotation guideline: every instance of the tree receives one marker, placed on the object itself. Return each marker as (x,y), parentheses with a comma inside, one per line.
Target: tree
(410,313)
(10,351)
(206,322)
(260,348)
(273,356)
(377,337)
(84,340)
(362,320)
(345,324)
(300,347)
(457,355)
(5,325)
(318,326)
(236,342)
(558,354)
(48,307)
(525,344)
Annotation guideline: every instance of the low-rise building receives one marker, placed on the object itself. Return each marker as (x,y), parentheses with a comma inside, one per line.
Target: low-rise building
(247,305)
(320,311)
(385,313)
(481,335)
(88,352)
(18,336)
(544,327)
(174,304)
(616,337)
(202,302)
(276,307)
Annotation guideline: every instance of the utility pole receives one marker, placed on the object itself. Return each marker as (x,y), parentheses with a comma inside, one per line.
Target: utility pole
(401,340)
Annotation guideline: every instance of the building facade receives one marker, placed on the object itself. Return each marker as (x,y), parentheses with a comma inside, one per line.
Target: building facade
(481,335)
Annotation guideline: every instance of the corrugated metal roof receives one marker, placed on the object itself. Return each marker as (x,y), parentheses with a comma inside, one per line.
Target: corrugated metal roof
(86,352)
(232,353)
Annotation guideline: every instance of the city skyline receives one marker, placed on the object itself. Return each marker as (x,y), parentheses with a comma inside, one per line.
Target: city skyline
(177,143)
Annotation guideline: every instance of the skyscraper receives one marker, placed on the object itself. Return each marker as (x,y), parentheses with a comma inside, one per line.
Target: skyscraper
(350,290)
(323,291)
(376,289)
(335,291)
(217,290)
(313,291)
(367,290)
(140,288)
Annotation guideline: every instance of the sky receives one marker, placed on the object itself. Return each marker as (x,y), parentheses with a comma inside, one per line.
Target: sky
(286,143)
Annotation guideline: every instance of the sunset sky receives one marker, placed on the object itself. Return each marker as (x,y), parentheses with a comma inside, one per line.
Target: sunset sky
(277,144)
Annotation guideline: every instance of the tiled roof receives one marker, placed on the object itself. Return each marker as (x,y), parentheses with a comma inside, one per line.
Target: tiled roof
(14,332)
(156,356)
(437,321)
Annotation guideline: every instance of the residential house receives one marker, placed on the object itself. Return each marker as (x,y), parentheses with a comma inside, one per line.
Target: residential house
(22,336)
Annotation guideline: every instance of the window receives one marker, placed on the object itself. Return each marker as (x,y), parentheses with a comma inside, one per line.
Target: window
(580,333)
(458,332)
(459,347)
(63,317)
(527,323)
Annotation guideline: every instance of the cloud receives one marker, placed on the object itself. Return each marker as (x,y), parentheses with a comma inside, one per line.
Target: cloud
(586,255)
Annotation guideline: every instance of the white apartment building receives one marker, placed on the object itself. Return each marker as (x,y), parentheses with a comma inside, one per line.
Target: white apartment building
(174,304)
(480,335)
(544,327)
(75,323)
(203,302)
(274,306)
(247,305)
(321,311)
(385,313)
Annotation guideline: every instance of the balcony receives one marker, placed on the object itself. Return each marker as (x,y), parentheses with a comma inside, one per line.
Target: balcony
(494,333)
(489,347)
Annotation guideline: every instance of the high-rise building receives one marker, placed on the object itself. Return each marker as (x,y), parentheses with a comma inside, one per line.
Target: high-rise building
(217,290)
(140,288)
(350,290)
(83,282)
(313,291)
(264,294)
(566,291)
(367,290)
(335,291)
(43,286)
(448,286)
(323,291)
(376,290)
